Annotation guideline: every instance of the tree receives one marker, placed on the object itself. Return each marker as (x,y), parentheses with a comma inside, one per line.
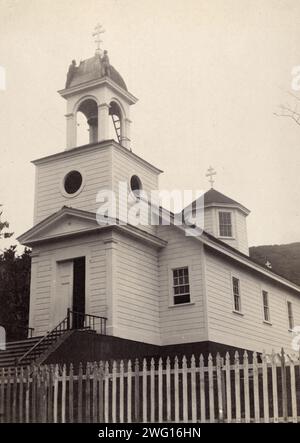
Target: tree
(3,226)
(14,287)
(15,292)
(292,112)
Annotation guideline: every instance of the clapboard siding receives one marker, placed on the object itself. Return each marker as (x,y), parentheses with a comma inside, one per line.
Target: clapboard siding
(44,276)
(124,167)
(96,167)
(137,293)
(249,330)
(181,324)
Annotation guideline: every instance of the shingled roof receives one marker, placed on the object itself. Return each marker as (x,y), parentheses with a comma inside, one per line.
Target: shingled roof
(216,198)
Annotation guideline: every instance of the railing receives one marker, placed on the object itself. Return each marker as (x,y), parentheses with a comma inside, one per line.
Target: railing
(40,346)
(79,320)
(73,320)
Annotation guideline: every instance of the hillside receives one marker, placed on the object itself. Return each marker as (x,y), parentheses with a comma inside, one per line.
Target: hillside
(285,259)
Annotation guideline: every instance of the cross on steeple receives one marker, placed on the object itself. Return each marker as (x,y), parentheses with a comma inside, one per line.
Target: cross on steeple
(210,173)
(97,33)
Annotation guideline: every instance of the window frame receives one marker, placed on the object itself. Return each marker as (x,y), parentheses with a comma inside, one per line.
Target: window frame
(290,303)
(171,267)
(266,320)
(232,236)
(234,310)
(62,182)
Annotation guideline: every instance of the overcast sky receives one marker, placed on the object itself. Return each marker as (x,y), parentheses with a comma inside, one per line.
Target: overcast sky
(209,75)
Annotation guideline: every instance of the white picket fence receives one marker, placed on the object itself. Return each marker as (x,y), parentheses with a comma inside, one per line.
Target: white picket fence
(250,388)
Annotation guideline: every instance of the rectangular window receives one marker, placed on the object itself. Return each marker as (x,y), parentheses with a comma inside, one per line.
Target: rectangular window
(236,294)
(266,307)
(225,225)
(181,286)
(290,314)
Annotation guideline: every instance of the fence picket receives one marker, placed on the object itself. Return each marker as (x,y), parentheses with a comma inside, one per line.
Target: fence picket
(136,391)
(184,390)
(211,390)
(193,389)
(88,393)
(152,390)
(168,387)
(114,392)
(95,388)
(274,387)
(265,387)
(79,412)
(219,387)
(63,395)
(121,391)
(293,390)
(101,396)
(71,394)
(55,398)
(145,390)
(21,388)
(129,389)
(176,390)
(160,393)
(246,387)
(202,390)
(228,387)
(27,395)
(237,387)
(256,389)
(106,392)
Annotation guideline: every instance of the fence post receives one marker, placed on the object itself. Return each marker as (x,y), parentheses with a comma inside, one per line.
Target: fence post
(283,385)
(274,387)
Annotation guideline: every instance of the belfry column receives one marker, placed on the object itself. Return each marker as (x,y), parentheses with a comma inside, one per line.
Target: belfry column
(103,122)
(71,130)
(126,140)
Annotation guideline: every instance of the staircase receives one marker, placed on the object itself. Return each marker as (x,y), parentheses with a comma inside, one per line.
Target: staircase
(37,349)
(16,349)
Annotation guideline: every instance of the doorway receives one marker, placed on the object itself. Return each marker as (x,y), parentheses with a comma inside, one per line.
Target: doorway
(78,305)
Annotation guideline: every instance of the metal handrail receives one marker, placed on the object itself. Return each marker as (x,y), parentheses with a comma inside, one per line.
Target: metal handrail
(88,321)
(71,321)
(55,331)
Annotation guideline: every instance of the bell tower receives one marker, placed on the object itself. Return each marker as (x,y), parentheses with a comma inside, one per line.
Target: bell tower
(97,90)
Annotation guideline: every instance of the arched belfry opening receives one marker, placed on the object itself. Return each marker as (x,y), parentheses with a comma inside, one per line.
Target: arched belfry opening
(116,130)
(87,122)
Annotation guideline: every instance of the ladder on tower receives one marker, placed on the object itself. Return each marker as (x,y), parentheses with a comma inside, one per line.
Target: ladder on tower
(117,125)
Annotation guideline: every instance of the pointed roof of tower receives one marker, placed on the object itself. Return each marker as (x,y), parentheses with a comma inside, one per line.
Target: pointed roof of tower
(216,198)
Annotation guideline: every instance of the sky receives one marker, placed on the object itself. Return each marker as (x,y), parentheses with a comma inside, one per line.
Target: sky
(209,75)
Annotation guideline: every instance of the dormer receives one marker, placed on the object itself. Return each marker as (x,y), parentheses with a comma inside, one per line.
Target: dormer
(224,218)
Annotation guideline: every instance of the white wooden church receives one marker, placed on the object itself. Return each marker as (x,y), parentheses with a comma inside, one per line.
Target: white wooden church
(117,289)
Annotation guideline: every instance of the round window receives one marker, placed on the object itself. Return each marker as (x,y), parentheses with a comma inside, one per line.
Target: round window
(72,182)
(135,184)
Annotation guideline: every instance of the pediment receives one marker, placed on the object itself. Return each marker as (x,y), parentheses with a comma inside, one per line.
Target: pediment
(66,222)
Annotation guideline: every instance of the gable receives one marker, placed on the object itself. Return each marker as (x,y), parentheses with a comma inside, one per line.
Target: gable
(66,222)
